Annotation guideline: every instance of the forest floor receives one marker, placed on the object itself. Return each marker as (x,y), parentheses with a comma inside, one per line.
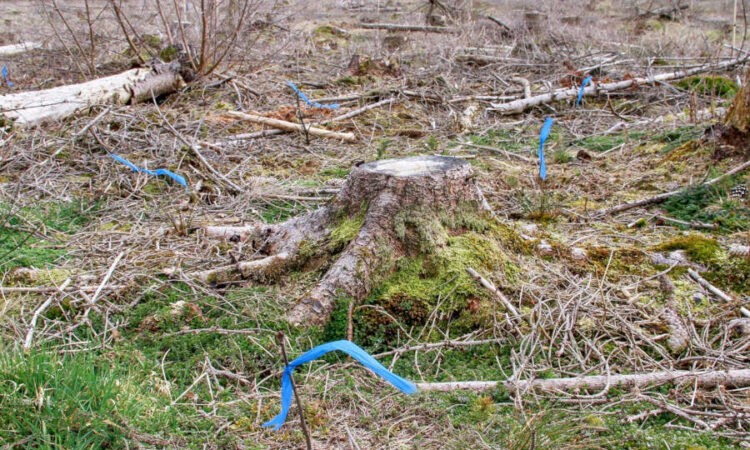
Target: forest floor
(134,352)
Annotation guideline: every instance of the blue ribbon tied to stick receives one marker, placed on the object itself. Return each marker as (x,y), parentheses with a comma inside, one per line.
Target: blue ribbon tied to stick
(542,139)
(309,102)
(177,178)
(4,72)
(584,83)
(350,349)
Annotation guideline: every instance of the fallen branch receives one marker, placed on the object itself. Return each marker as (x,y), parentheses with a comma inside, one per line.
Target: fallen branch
(498,150)
(661,197)
(14,49)
(729,378)
(289,126)
(38,312)
(37,107)
(710,287)
(495,291)
(521,105)
(399,27)
(699,225)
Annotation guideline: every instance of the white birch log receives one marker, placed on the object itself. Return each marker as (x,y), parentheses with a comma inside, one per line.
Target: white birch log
(523,104)
(729,378)
(36,107)
(14,49)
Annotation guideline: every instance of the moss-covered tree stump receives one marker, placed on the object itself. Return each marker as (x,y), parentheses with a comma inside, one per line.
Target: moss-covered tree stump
(386,210)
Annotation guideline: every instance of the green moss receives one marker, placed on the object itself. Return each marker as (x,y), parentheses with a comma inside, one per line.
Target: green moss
(33,236)
(435,281)
(732,273)
(169,54)
(683,138)
(699,248)
(151,40)
(347,229)
(714,85)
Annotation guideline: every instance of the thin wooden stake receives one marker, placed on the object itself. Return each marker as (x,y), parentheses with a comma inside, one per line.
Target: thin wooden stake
(282,340)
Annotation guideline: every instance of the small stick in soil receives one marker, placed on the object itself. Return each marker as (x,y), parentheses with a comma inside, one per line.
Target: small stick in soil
(301,118)
(282,340)
(662,197)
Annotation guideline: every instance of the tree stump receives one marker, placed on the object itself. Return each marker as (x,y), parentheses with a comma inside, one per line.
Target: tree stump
(733,134)
(381,214)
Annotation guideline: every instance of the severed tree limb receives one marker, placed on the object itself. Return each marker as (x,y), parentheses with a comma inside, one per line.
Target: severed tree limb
(260,269)
(14,49)
(729,378)
(713,289)
(340,118)
(400,27)
(159,84)
(289,126)
(39,311)
(526,86)
(521,105)
(36,107)
(662,197)
(495,291)
(230,233)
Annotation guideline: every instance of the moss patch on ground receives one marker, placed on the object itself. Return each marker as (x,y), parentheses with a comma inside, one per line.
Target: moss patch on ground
(33,236)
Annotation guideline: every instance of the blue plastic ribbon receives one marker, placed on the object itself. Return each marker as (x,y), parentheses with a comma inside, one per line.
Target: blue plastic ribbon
(350,349)
(304,98)
(585,82)
(4,72)
(177,178)
(542,139)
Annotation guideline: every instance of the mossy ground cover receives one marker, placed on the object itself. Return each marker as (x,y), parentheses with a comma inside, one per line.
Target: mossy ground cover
(34,236)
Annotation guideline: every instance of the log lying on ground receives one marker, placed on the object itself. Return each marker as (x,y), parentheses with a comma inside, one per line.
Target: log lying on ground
(364,230)
(593,383)
(399,27)
(37,107)
(289,126)
(14,49)
(521,105)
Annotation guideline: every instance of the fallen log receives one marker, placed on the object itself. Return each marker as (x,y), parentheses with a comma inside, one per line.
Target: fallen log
(729,378)
(289,126)
(36,107)
(518,106)
(399,27)
(14,49)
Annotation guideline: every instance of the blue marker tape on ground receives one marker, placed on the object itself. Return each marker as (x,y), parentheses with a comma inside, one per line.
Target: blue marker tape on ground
(177,178)
(4,72)
(542,139)
(350,349)
(304,98)
(585,82)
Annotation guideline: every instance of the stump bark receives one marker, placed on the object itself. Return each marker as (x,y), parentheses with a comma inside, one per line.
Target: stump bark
(367,227)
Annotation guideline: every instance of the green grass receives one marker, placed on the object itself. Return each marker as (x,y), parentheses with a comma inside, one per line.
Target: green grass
(278,211)
(34,236)
(82,400)
(602,143)
(711,204)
